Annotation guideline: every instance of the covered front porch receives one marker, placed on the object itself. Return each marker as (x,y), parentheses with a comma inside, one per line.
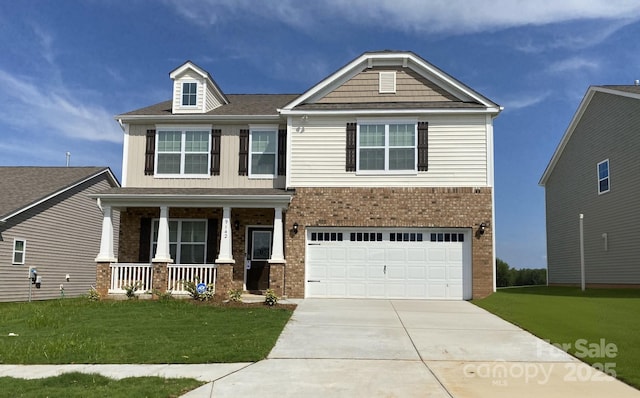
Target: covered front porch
(228,238)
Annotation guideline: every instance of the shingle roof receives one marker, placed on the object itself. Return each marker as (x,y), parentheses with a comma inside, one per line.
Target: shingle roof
(627,89)
(239,105)
(21,187)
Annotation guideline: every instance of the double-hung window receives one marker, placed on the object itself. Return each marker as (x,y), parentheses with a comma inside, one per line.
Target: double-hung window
(183,152)
(603,176)
(187,240)
(19,251)
(389,147)
(263,147)
(189,94)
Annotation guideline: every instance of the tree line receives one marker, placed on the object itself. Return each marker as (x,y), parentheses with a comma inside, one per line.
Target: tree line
(507,276)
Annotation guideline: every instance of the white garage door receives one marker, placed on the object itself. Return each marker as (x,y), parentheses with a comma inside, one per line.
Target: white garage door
(389,263)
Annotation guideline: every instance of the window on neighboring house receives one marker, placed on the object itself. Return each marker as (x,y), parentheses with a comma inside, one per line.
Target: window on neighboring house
(603,176)
(183,152)
(19,251)
(189,93)
(388,147)
(187,240)
(263,146)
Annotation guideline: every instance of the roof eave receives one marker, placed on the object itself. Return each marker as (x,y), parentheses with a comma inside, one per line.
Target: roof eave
(491,111)
(191,117)
(136,200)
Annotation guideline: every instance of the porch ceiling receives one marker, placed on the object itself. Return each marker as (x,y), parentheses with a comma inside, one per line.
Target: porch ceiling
(195,197)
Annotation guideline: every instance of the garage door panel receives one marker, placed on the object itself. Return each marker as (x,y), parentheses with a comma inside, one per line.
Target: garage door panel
(376,264)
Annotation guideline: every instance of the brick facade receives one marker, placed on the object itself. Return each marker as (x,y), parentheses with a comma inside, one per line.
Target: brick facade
(391,207)
(338,207)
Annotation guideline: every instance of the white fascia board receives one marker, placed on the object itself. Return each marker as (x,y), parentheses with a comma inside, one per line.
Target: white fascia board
(56,193)
(567,134)
(125,151)
(205,201)
(491,111)
(289,153)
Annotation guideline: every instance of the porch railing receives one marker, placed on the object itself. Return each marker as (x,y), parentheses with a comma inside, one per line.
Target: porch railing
(129,274)
(179,273)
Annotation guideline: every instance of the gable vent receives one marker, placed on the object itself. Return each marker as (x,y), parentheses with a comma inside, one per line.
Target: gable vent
(387,82)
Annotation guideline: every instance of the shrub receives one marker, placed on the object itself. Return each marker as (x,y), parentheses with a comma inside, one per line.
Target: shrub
(130,290)
(270,297)
(235,295)
(162,296)
(192,288)
(93,294)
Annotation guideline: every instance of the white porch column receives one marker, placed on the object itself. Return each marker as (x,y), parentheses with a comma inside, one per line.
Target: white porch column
(277,251)
(226,255)
(163,254)
(106,240)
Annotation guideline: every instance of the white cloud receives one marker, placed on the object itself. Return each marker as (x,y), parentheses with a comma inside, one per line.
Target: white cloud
(35,106)
(434,16)
(524,101)
(573,64)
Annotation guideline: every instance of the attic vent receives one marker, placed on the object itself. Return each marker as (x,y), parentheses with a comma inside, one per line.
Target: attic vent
(387,82)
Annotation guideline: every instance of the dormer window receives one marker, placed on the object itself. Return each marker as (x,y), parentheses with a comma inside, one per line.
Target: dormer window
(189,94)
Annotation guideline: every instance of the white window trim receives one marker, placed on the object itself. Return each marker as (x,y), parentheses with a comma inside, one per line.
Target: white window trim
(269,128)
(183,129)
(608,178)
(386,170)
(179,220)
(182,83)
(24,251)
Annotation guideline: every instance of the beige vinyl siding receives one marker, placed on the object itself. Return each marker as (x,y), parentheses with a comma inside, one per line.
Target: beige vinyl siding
(228,178)
(63,237)
(211,101)
(364,87)
(188,77)
(608,129)
(457,155)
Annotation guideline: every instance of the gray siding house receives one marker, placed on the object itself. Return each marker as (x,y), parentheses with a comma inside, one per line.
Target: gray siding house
(595,171)
(47,221)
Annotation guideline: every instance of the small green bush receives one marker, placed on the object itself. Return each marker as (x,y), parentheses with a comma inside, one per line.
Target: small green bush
(192,288)
(93,294)
(270,297)
(163,296)
(235,295)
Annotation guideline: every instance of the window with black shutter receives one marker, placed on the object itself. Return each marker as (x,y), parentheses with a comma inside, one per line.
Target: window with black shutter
(149,154)
(282,152)
(351,147)
(243,154)
(423,149)
(215,151)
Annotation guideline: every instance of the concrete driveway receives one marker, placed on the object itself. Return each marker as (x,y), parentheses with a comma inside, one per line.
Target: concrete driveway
(407,348)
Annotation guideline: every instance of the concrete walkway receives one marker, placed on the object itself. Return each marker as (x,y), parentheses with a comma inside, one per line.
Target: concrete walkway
(386,348)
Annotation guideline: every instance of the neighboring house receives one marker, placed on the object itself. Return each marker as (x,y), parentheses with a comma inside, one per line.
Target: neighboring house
(376,182)
(595,171)
(48,221)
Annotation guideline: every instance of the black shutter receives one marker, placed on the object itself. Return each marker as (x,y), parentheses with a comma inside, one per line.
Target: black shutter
(282,152)
(215,151)
(243,155)
(212,240)
(351,147)
(423,147)
(144,250)
(149,154)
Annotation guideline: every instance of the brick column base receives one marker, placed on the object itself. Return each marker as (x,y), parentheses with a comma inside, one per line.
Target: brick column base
(160,275)
(224,281)
(276,278)
(103,279)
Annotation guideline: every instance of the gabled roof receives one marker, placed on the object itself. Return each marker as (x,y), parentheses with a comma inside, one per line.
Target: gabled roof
(22,188)
(622,91)
(188,65)
(468,98)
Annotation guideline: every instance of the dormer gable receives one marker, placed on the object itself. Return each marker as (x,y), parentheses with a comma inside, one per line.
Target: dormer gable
(194,91)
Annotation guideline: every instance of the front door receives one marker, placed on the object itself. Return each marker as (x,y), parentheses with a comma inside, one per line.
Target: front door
(258,254)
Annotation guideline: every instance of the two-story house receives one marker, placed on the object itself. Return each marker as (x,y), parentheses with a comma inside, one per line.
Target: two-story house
(376,182)
(591,193)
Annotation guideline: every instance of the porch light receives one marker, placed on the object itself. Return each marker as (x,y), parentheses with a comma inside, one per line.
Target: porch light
(236,224)
(295,227)
(482,227)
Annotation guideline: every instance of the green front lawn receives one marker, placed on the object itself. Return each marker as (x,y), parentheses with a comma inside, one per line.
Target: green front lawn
(72,385)
(590,325)
(136,331)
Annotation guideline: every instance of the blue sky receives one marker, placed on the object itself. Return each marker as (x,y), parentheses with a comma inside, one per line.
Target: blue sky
(67,67)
